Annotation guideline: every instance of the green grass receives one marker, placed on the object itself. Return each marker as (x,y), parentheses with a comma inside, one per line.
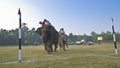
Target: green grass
(96,56)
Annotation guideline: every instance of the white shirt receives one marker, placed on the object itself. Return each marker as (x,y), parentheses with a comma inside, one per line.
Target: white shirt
(47,23)
(62,31)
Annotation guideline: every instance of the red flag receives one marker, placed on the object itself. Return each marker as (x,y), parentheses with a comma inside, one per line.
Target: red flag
(19,12)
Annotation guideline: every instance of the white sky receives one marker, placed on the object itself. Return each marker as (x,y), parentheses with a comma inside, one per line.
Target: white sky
(9,18)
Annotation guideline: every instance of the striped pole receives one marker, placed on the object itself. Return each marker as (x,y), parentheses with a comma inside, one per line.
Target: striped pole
(20,36)
(114,39)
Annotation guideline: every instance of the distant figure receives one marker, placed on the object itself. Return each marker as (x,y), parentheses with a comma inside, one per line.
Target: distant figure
(62,32)
(45,22)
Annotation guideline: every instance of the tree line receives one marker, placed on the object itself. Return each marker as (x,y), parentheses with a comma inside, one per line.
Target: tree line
(30,37)
(10,37)
(106,36)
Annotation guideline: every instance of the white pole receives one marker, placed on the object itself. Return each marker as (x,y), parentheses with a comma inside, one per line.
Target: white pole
(114,39)
(20,36)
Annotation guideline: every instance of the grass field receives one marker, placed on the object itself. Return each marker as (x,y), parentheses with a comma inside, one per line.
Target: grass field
(94,56)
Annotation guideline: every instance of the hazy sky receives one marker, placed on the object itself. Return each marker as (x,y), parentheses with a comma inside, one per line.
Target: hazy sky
(75,16)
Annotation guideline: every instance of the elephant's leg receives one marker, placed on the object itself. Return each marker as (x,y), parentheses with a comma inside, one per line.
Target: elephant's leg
(51,49)
(55,48)
(64,46)
(45,46)
(49,46)
(60,46)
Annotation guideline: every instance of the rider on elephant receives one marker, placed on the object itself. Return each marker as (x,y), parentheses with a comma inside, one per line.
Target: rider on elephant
(62,32)
(46,23)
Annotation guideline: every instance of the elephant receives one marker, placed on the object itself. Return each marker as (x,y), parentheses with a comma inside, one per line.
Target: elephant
(49,36)
(63,41)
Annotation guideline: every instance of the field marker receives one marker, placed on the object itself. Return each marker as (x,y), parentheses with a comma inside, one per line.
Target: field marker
(20,36)
(114,39)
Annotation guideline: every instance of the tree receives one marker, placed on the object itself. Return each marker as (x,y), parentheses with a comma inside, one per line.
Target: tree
(93,33)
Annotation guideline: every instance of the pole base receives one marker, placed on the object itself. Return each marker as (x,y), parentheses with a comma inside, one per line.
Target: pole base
(19,55)
(116,51)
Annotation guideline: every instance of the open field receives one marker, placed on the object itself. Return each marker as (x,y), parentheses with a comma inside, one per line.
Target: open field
(94,56)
